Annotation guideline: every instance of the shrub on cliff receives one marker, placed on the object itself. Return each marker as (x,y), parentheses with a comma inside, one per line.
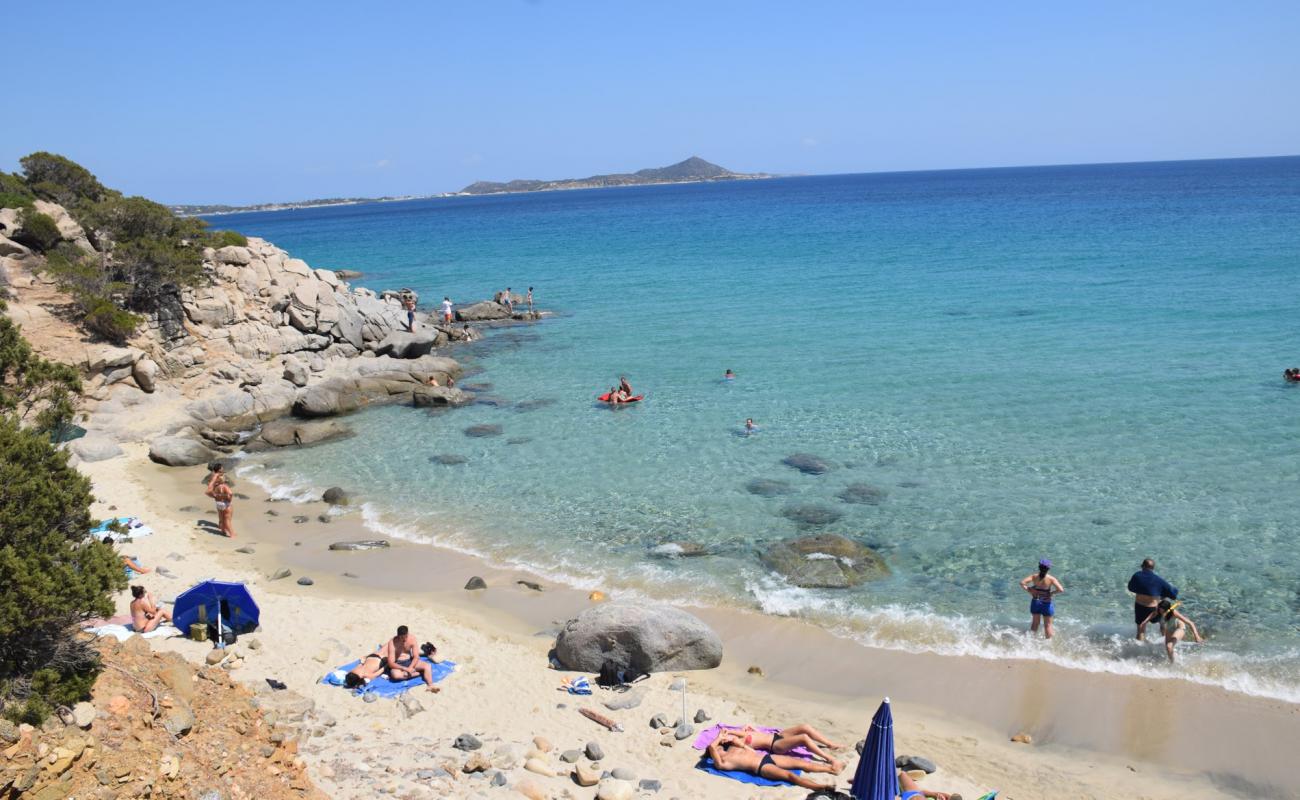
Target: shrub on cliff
(51,577)
(98,298)
(14,192)
(60,180)
(221,239)
(39,231)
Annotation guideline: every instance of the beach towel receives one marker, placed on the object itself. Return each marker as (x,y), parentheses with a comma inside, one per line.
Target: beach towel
(134,528)
(578,685)
(382,685)
(706,764)
(124,632)
(709,735)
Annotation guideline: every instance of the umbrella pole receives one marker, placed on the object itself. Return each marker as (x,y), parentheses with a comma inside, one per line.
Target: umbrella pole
(221,639)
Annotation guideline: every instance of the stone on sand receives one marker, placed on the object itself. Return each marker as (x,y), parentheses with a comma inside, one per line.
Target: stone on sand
(647,637)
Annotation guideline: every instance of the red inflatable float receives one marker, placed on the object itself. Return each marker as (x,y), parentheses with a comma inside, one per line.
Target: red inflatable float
(604,398)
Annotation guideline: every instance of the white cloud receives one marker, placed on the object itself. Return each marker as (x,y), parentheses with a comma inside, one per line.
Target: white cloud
(809,141)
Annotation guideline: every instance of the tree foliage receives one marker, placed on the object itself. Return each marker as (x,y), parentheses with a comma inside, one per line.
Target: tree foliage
(51,575)
(14,192)
(39,231)
(60,180)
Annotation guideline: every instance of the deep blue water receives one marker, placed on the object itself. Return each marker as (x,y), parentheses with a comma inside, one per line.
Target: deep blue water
(1076,362)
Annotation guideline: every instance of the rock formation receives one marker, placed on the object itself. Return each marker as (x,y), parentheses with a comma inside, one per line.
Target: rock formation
(646,637)
(825,561)
(265,344)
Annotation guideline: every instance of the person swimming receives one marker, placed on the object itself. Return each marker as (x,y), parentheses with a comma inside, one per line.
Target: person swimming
(1291,375)
(729,376)
(750,427)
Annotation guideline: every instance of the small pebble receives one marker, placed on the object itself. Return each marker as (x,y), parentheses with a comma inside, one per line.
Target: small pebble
(594,752)
(701,716)
(305,581)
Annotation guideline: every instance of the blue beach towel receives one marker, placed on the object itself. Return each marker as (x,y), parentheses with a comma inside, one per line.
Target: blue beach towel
(382,686)
(706,764)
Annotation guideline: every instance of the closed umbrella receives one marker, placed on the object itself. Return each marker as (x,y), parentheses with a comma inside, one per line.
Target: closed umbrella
(230,603)
(875,778)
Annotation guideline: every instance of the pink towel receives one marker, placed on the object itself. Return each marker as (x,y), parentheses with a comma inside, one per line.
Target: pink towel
(709,735)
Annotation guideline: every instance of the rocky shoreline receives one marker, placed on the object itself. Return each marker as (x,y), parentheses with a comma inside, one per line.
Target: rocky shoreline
(255,358)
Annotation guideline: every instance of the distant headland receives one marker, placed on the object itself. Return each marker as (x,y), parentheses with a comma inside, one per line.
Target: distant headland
(692,170)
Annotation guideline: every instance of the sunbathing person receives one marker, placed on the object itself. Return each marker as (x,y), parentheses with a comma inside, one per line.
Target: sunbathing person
(402,655)
(372,666)
(145,613)
(909,790)
(739,757)
(782,742)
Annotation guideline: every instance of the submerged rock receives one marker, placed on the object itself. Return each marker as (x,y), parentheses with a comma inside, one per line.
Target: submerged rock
(766,487)
(863,494)
(825,561)
(811,514)
(519,440)
(680,550)
(648,637)
(532,405)
(447,459)
(807,463)
(362,544)
(481,431)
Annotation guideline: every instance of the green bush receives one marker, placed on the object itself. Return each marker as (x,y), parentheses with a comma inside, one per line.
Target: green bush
(60,180)
(14,192)
(228,238)
(51,576)
(102,316)
(39,231)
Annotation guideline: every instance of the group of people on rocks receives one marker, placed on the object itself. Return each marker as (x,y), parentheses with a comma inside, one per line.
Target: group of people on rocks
(446,311)
(1155,601)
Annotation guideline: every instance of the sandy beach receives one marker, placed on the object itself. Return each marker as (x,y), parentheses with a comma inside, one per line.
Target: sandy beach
(1094,736)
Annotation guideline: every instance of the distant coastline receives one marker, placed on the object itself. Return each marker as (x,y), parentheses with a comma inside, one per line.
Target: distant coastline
(692,170)
(216,210)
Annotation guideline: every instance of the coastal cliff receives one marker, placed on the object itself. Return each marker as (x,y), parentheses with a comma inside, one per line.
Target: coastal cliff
(259,337)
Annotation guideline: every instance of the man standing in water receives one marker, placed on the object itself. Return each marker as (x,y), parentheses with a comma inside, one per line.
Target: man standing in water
(1042,588)
(1148,589)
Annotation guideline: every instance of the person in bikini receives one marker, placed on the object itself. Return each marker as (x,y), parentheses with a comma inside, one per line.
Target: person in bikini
(1171,624)
(401,655)
(736,756)
(1042,588)
(370,667)
(783,741)
(224,496)
(145,613)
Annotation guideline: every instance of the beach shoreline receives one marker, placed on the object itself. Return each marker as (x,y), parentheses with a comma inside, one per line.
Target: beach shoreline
(1092,731)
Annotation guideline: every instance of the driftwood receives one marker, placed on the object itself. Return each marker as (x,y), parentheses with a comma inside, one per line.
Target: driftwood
(601,719)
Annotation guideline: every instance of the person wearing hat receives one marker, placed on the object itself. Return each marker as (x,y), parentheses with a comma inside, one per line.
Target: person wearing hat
(1042,588)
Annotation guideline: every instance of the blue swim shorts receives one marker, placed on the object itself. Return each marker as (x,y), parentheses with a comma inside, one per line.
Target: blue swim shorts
(1043,607)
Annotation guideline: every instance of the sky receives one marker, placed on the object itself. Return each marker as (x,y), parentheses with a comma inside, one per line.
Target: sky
(247,102)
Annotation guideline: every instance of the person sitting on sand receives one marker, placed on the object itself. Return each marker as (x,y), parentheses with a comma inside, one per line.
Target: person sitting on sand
(402,655)
(909,790)
(783,741)
(736,756)
(145,613)
(128,562)
(1171,622)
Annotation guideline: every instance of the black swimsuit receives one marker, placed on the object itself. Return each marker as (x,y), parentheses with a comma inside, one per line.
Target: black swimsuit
(763,762)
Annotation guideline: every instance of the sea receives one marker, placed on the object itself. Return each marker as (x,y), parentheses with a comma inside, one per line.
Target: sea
(1081,363)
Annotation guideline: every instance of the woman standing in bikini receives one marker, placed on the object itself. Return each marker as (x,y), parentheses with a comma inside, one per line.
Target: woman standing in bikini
(1042,588)
(224,496)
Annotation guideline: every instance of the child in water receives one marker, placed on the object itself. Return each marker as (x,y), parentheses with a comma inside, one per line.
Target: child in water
(1171,624)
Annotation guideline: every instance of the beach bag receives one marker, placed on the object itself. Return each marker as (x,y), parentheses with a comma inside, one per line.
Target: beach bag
(227,635)
(609,675)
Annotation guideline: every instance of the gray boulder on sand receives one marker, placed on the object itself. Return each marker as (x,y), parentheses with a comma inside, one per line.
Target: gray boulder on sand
(95,448)
(287,431)
(179,451)
(335,496)
(648,637)
(807,463)
(362,544)
(825,561)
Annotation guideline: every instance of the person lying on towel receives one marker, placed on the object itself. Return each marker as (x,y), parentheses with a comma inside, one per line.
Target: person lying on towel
(735,756)
(784,741)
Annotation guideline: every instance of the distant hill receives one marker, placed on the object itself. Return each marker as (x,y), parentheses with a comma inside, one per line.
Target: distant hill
(213,210)
(691,170)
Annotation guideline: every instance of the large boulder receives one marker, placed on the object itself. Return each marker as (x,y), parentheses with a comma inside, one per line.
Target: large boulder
(8,247)
(647,637)
(335,396)
(68,227)
(480,312)
(286,431)
(145,372)
(179,451)
(233,254)
(400,344)
(426,396)
(825,561)
(94,448)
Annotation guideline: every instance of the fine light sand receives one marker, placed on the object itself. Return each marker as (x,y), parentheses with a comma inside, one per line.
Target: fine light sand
(1095,736)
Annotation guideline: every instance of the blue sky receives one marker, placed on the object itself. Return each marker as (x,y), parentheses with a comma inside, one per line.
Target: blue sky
(251,102)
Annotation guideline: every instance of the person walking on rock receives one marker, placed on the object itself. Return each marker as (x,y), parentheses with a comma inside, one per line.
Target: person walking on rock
(446,310)
(408,303)
(529,300)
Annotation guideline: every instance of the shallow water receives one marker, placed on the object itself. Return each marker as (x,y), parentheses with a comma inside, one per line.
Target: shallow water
(1075,362)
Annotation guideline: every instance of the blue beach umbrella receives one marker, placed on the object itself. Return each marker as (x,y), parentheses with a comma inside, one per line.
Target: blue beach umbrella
(875,778)
(231,601)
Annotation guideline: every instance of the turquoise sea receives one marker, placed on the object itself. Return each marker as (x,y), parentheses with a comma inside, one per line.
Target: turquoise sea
(1078,362)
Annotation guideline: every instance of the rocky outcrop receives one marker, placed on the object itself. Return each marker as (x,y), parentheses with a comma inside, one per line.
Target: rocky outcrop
(482,312)
(287,432)
(179,451)
(646,637)
(826,561)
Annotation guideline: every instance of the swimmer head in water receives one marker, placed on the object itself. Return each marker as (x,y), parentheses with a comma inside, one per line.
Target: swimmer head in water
(729,375)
